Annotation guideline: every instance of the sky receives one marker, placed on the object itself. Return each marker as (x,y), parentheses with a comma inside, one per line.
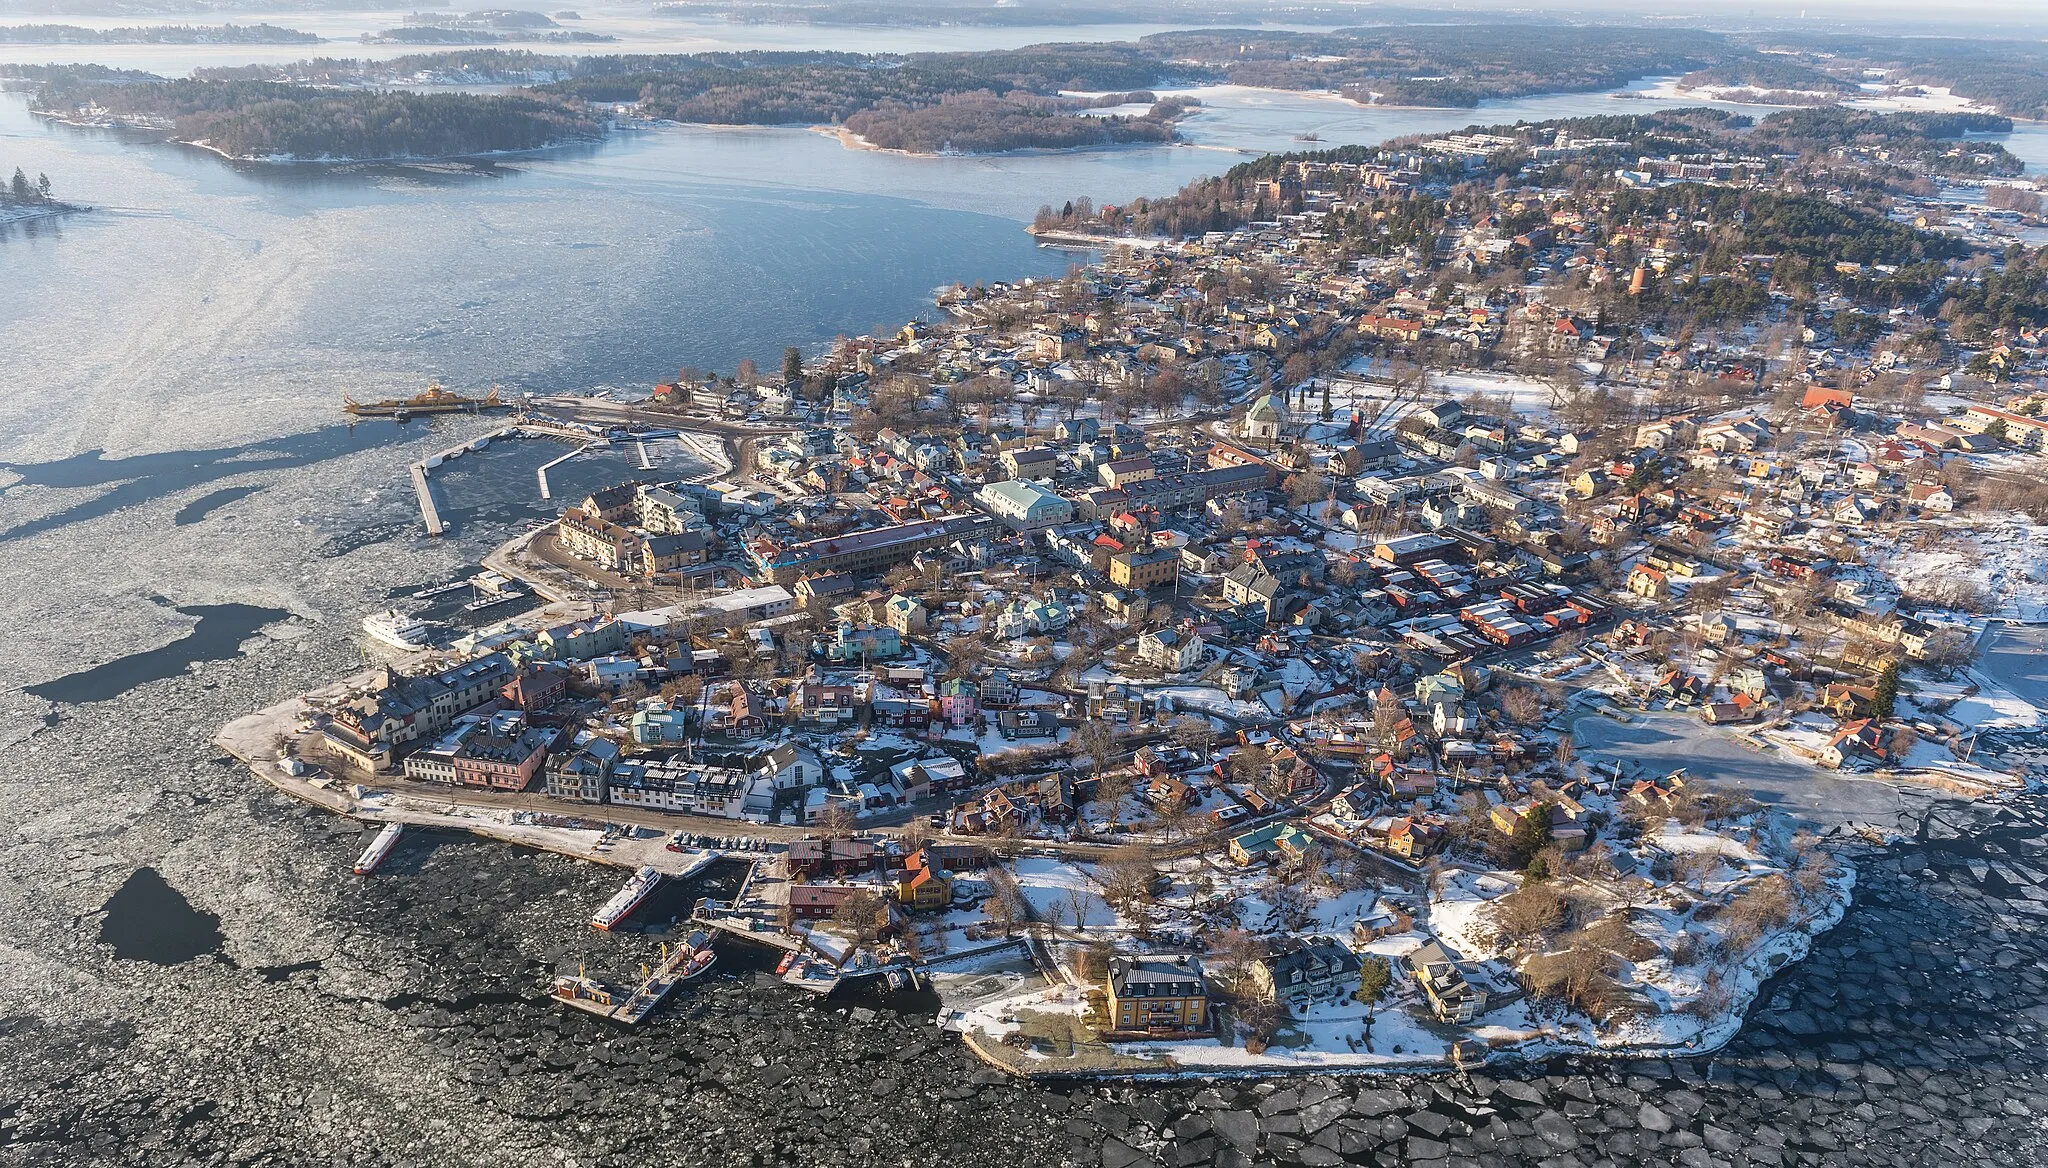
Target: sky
(1874,16)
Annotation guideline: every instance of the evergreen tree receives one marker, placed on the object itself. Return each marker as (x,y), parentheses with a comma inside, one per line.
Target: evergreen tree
(792,365)
(1326,399)
(1885,694)
(19,187)
(1532,835)
(43,187)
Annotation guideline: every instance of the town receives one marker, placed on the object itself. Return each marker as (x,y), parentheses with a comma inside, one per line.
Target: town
(1344,626)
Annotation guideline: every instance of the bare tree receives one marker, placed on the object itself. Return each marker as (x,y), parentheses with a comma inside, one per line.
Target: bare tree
(840,820)
(1522,705)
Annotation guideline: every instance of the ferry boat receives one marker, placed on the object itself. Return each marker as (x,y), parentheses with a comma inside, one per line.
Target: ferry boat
(435,400)
(379,848)
(395,628)
(626,899)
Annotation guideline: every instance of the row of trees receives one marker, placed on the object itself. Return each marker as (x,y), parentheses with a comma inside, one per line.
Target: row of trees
(22,191)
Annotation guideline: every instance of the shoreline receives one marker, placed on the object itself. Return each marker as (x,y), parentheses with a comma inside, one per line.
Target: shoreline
(149,125)
(1774,954)
(853,141)
(30,213)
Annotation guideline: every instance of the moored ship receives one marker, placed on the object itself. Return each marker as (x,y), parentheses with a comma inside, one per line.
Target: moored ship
(379,848)
(398,630)
(626,899)
(435,400)
(702,957)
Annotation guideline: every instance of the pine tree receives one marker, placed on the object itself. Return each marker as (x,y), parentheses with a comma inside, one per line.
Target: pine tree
(1885,695)
(1326,399)
(792,365)
(1532,835)
(43,186)
(19,187)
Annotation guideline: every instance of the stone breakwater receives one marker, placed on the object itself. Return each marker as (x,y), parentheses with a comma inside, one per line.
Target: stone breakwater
(412,1032)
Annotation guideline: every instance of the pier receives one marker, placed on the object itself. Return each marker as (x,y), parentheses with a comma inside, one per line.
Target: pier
(619,1004)
(429,513)
(542,473)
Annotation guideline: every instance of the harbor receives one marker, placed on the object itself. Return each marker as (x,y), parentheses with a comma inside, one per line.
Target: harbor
(588,437)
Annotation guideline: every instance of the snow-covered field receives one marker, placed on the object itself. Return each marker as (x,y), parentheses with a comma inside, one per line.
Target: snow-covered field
(2006,559)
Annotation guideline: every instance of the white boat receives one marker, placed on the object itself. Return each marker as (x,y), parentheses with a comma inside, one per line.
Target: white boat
(395,628)
(378,849)
(626,899)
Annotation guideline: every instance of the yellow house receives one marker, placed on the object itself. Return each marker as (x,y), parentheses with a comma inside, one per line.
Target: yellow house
(1158,994)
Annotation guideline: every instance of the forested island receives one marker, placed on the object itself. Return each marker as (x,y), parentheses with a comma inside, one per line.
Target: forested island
(437,35)
(770,88)
(22,197)
(976,102)
(968,102)
(984,123)
(269,121)
(160,34)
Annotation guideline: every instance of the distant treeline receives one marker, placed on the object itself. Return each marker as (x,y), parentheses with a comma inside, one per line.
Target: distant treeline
(1445,65)
(262,119)
(2010,74)
(768,88)
(437,35)
(1767,72)
(915,14)
(172,34)
(983,123)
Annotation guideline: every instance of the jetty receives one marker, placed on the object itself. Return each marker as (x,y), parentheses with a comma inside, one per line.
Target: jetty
(429,513)
(542,473)
(628,1005)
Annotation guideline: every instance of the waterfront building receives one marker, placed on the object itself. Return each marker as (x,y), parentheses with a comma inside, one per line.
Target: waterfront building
(1159,994)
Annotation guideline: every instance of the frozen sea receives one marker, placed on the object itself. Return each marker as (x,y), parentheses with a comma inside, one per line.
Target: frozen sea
(188,532)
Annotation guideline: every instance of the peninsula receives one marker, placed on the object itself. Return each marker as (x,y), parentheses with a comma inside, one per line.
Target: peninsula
(1403,607)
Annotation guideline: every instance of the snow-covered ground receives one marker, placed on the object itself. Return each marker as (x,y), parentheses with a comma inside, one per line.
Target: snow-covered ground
(2005,558)
(1519,395)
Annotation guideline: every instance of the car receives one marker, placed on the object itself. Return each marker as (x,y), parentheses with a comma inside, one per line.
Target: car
(678,842)
(1229,814)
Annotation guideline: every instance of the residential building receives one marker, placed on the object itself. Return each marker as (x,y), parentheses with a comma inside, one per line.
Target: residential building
(1160,994)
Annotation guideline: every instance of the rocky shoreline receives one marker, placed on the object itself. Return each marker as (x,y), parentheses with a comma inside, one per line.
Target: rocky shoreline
(413,1031)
